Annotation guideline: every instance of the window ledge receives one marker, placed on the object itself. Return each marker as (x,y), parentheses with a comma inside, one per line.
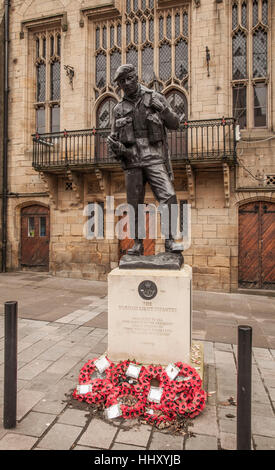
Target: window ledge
(256,134)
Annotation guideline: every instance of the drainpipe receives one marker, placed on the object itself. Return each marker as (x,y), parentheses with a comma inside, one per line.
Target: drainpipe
(6,138)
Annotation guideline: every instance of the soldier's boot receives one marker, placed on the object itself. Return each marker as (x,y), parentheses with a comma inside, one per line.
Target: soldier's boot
(170,245)
(137,249)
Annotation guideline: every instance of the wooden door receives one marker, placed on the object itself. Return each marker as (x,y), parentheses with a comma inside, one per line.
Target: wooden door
(35,237)
(127,243)
(257,245)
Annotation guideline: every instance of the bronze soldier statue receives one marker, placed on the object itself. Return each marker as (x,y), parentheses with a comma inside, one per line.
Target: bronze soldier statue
(139,141)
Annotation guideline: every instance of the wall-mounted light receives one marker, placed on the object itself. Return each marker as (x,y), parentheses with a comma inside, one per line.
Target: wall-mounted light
(207,51)
(70,73)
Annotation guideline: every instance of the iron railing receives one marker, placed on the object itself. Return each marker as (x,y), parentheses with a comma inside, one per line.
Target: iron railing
(212,139)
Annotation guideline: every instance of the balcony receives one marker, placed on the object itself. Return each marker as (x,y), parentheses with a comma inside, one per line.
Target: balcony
(197,143)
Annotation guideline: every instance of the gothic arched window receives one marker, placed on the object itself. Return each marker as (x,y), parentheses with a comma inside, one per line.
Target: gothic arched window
(250,20)
(104,113)
(178,103)
(155,41)
(48,74)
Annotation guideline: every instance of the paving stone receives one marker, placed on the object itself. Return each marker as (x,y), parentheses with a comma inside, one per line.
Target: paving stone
(33,368)
(34,424)
(264,426)
(55,352)
(201,442)
(73,417)
(206,422)
(63,365)
(165,441)
(60,437)
(264,443)
(137,435)
(26,400)
(99,434)
(12,441)
(49,406)
(228,441)
(227,419)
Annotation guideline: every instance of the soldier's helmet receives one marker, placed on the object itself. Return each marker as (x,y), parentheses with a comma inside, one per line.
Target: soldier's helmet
(123,70)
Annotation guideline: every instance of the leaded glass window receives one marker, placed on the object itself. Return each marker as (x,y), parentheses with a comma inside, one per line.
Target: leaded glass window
(239,55)
(250,20)
(239,105)
(108,37)
(260,53)
(244,15)
(101,69)
(104,113)
(164,61)
(48,73)
(260,104)
(181,59)
(178,103)
(147,61)
(155,40)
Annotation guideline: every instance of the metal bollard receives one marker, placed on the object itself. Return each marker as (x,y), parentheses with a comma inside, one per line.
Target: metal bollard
(244,387)
(10,374)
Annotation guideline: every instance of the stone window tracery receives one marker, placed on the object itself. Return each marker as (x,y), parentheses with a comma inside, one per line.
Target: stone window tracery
(250,61)
(155,40)
(47,63)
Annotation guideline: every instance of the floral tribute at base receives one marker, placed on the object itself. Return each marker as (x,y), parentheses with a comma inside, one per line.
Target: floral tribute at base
(129,390)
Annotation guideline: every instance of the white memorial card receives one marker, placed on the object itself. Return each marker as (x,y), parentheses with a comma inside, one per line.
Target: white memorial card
(102,364)
(155,394)
(84,388)
(112,412)
(133,371)
(172,371)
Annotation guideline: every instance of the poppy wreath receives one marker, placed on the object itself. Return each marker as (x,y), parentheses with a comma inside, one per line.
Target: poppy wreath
(116,374)
(128,411)
(153,372)
(192,378)
(97,395)
(101,387)
(190,403)
(159,415)
(85,375)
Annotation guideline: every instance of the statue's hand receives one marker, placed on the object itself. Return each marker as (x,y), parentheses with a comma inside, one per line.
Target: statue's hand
(157,104)
(116,146)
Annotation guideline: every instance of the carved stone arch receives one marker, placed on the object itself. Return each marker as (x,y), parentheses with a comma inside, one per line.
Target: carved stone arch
(33,235)
(98,107)
(242,198)
(17,214)
(177,99)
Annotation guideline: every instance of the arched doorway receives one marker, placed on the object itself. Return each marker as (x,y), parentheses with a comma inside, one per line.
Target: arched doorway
(257,245)
(35,237)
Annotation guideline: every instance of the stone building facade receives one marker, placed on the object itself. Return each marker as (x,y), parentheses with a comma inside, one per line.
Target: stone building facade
(1,111)
(215,62)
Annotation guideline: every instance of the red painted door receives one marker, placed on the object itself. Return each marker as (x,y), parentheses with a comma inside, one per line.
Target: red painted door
(35,237)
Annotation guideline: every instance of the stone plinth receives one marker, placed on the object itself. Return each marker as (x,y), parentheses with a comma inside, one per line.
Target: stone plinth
(149,315)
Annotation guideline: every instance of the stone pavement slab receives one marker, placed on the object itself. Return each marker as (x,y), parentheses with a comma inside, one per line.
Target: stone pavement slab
(60,437)
(99,434)
(13,441)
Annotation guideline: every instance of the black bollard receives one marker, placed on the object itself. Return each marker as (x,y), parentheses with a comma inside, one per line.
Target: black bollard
(10,374)
(244,387)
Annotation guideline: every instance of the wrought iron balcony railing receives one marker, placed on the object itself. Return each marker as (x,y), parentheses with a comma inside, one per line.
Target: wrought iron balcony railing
(208,140)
